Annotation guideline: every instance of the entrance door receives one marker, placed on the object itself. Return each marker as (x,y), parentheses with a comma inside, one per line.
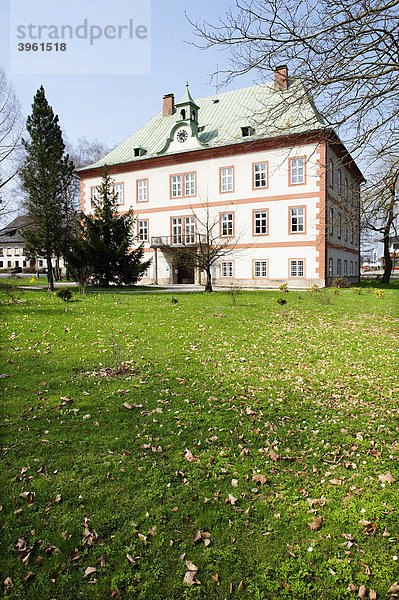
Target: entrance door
(185,275)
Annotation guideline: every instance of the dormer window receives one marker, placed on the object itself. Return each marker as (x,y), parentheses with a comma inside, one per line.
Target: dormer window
(247,131)
(139,151)
(183,113)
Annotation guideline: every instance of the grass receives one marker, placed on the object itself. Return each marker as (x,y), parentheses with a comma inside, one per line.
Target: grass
(248,422)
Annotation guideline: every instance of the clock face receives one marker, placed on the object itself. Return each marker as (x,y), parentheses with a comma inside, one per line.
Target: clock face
(181,135)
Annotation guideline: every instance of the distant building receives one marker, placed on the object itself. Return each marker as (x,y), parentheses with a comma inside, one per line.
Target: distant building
(12,249)
(286,190)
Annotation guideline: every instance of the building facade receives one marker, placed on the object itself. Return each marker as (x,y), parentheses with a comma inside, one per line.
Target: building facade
(283,192)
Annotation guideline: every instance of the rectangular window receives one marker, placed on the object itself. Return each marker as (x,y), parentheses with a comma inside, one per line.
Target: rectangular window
(330,267)
(356,236)
(331,174)
(260,222)
(259,175)
(339,225)
(189,230)
(177,230)
(24,263)
(118,193)
(226,224)
(297,268)
(9,252)
(346,189)
(16,263)
(94,195)
(339,267)
(346,232)
(297,170)
(351,236)
(339,181)
(142,230)
(351,268)
(9,264)
(345,268)
(297,219)
(260,268)
(1,264)
(1,252)
(146,273)
(355,267)
(226,179)
(142,190)
(331,220)
(16,251)
(183,185)
(226,269)
(40,263)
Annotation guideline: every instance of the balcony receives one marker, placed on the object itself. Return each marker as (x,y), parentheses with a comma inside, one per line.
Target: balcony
(178,240)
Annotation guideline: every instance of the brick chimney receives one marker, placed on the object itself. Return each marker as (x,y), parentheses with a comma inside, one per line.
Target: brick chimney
(281,78)
(168,104)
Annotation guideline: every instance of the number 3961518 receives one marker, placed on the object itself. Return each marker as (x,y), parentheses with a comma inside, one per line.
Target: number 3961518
(42,47)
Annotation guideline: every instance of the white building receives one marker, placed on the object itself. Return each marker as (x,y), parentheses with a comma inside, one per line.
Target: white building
(284,189)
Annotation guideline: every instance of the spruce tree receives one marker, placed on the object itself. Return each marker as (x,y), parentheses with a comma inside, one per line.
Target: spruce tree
(109,239)
(46,175)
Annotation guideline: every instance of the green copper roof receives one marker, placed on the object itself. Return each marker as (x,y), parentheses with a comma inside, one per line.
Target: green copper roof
(220,119)
(187,99)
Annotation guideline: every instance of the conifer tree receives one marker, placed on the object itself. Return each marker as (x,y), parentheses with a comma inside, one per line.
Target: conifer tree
(46,174)
(109,238)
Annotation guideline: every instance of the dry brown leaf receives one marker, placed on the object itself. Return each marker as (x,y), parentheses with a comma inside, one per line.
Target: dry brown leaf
(28,576)
(352,588)
(8,584)
(128,405)
(386,533)
(58,499)
(316,523)
(241,585)
(25,560)
(190,578)
(126,452)
(234,482)
(131,560)
(28,496)
(142,537)
(39,560)
(191,566)
(259,479)
(197,537)
(102,561)
(394,587)
(362,592)
(90,571)
(115,594)
(232,499)
(373,595)
(189,456)
(336,481)
(215,578)
(387,477)
(249,411)
(273,455)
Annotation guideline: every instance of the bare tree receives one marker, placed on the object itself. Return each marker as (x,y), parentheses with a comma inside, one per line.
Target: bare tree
(344,51)
(214,240)
(380,208)
(11,126)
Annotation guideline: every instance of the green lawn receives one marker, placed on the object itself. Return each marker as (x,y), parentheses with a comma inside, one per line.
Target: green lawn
(248,423)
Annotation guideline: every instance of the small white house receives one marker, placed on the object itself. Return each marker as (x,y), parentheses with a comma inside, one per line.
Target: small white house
(283,190)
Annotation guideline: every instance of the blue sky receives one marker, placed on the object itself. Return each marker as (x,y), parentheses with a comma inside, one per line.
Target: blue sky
(112,107)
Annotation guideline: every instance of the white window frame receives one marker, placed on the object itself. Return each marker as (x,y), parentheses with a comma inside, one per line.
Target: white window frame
(94,195)
(260,268)
(16,251)
(1,251)
(226,179)
(119,193)
(339,267)
(331,173)
(331,220)
(299,218)
(297,170)
(142,230)
(297,267)
(260,179)
(183,185)
(227,224)
(351,269)
(142,190)
(330,267)
(9,253)
(226,268)
(345,268)
(260,222)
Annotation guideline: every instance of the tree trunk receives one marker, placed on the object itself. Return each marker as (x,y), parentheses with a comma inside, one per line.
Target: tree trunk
(208,285)
(50,273)
(387,258)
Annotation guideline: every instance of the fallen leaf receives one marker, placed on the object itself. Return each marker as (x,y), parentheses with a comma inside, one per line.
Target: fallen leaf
(316,523)
(362,592)
(28,576)
(126,452)
(336,481)
(273,455)
(232,499)
(373,595)
(8,584)
(387,477)
(89,571)
(241,585)
(128,405)
(131,560)
(215,578)
(191,566)
(394,587)
(58,499)
(28,496)
(352,588)
(234,482)
(259,479)
(115,594)
(142,537)
(197,537)
(189,456)
(190,578)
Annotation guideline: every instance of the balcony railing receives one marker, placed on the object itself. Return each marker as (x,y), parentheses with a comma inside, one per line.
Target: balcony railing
(177,241)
